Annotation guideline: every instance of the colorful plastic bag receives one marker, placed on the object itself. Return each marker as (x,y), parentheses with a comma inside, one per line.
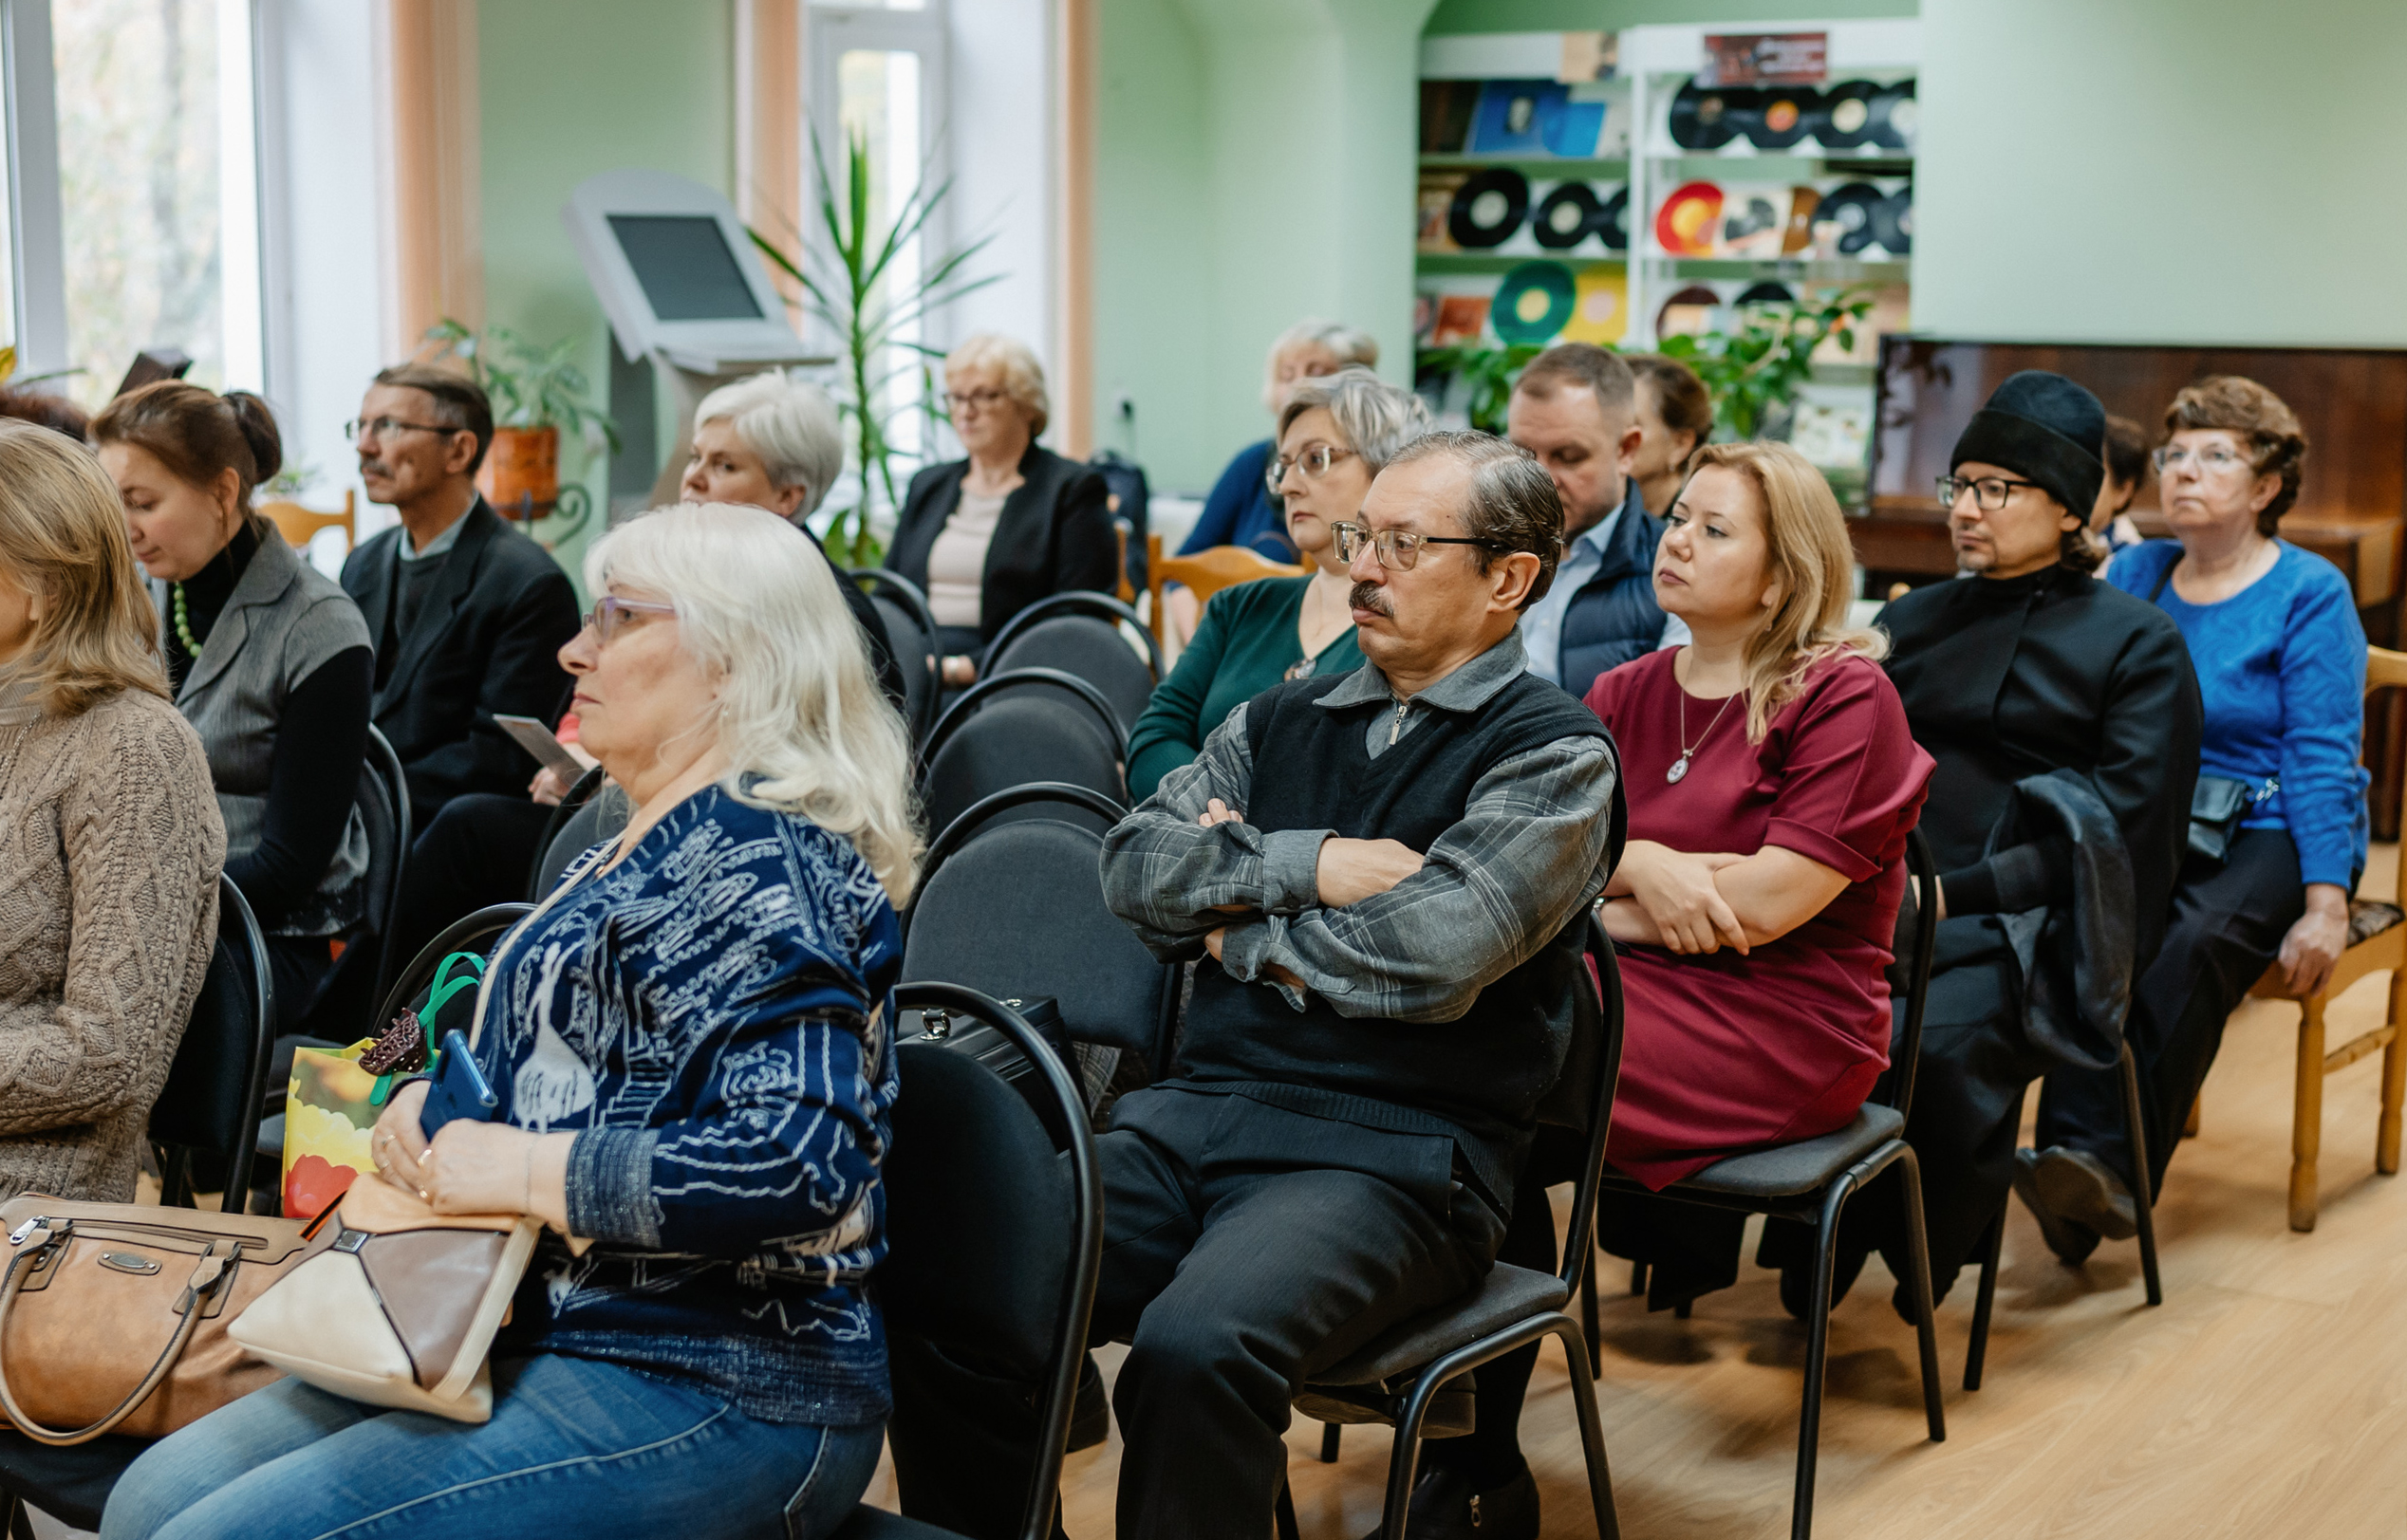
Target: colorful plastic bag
(332,1103)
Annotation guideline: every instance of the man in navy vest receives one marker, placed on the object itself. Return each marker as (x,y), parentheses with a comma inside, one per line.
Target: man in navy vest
(1575,408)
(1383,874)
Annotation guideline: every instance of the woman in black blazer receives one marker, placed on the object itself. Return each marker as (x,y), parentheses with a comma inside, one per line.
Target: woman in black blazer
(987,536)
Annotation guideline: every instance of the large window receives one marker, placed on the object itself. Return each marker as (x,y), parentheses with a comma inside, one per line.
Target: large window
(138,199)
(878,76)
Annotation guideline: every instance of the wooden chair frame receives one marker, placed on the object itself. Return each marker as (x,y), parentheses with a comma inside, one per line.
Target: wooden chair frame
(2385,948)
(1204,574)
(300,524)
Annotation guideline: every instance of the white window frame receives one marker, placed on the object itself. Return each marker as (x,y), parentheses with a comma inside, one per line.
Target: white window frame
(37,219)
(832,30)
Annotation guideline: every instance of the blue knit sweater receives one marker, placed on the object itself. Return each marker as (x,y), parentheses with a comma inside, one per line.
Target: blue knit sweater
(714,1019)
(2282,671)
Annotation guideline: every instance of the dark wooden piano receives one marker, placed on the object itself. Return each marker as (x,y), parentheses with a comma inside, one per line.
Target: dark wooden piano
(2351,496)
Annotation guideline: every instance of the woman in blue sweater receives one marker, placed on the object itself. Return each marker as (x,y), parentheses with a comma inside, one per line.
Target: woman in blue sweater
(2281,662)
(691,1040)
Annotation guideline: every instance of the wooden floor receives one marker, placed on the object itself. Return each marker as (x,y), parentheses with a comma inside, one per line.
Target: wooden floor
(2266,1399)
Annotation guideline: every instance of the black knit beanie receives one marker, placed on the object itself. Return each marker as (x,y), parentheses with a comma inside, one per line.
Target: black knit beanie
(2046,429)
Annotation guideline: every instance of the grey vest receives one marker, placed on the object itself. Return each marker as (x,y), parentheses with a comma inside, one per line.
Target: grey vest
(284,618)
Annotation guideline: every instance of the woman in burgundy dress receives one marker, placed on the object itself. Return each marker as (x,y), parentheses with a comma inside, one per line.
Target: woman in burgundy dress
(1772,783)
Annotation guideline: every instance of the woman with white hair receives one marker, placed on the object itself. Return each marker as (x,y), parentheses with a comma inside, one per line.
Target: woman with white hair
(989,535)
(691,1044)
(1336,435)
(1244,508)
(776,442)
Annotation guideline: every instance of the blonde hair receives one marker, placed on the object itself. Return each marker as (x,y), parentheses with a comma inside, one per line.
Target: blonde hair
(63,537)
(802,724)
(1807,556)
(1023,377)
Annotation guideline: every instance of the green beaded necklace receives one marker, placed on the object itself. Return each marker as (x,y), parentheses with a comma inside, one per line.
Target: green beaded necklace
(184,627)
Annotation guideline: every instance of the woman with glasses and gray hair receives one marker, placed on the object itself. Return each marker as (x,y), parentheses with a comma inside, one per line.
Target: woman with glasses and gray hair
(988,535)
(1335,434)
(692,1045)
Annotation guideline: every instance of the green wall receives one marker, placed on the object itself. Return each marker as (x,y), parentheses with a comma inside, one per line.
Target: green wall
(1255,165)
(1613,15)
(2162,171)
(569,91)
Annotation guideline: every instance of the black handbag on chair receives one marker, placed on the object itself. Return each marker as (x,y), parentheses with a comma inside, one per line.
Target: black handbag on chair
(2216,809)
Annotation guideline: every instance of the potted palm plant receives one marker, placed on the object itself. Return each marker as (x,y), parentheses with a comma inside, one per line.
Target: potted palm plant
(847,279)
(537,393)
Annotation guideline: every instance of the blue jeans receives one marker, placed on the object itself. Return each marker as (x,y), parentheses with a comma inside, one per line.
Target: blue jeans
(575,1447)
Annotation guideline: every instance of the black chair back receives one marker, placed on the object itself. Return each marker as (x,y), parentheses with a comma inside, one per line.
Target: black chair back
(599,816)
(1086,635)
(386,811)
(577,796)
(911,634)
(1922,928)
(994,1237)
(1582,1096)
(467,934)
(1015,729)
(216,1083)
(1015,909)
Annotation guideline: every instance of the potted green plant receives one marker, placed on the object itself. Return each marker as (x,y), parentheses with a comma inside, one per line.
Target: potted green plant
(847,280)
(537,393)
(1754,373)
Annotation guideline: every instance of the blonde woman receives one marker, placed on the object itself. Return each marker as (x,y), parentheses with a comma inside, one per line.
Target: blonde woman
(110,840)
(1772,782)
(989,535)
(691,1044)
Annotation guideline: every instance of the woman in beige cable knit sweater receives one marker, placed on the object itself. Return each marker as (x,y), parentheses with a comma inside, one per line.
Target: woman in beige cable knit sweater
(110,840)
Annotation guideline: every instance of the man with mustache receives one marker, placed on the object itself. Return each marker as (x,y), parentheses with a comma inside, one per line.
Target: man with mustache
(467,614)
(1383,875)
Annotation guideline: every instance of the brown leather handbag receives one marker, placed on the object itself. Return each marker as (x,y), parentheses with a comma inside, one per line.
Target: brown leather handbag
(113,1315)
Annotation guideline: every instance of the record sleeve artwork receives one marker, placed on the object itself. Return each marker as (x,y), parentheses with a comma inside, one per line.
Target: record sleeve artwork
(1601,305)
(1687,225)
(1460,321)
(1533,117)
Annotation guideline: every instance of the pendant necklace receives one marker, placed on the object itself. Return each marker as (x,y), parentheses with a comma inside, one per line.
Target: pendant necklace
(1680,766)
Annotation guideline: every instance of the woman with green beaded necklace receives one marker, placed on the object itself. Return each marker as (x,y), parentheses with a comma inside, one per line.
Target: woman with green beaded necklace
(269,659)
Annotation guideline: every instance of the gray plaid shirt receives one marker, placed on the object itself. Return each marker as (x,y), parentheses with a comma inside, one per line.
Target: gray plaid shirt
(1526,856)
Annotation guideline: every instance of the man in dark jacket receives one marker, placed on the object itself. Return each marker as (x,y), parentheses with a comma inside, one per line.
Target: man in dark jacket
(2026,667)
(468,615)
(1575,408)
(1381,876)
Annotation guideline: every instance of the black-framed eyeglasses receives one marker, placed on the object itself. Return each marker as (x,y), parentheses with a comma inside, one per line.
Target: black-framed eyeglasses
(1314,463)
(610,614)
(1398,549)
(358,429)
(1988,492)
(980,400)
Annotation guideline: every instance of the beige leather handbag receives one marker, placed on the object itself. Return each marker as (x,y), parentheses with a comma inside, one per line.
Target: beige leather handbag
(113,1316)
(393,1304)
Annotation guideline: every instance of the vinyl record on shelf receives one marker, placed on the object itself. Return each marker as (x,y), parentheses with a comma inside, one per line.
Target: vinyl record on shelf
(1487,207)
(1685,224)
(1766,292)
(1895,116)
(1785,115)
(1612,222)
(1600,309)
(1847,115)
(1754,223)
(1688,312)
(1533,302)
(1892,222)
(1703,119)
(1566,216)
(1851,209)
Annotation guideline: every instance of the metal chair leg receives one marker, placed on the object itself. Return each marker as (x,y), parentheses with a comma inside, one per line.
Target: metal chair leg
(1976,1355)
(1284,1510)
(1587,1321)
(1329,1437)
(2143,1192)
(1809,1426)
(1592,1441)
(1637,1277)
(1926,1327)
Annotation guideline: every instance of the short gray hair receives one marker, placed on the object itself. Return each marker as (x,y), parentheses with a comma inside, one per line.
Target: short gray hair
(1377,419)
(1023,377)
(1513,506)
(790,423)
(1345,343)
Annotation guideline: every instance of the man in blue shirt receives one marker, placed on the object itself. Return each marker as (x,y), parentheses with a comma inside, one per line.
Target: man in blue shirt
(1575,408)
